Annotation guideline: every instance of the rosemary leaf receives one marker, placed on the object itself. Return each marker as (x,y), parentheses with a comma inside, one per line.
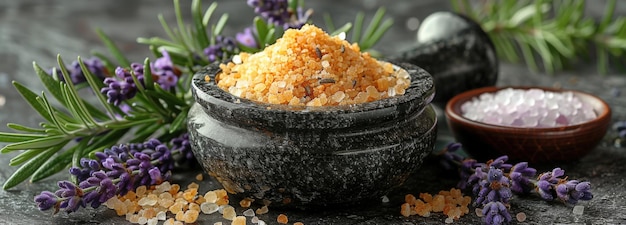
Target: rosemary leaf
(261,30)
(373,25)
(179,121)
(54,164)
(377,35)
(19,127)
(201,35)
(130,124)
(18,137)
(219,27)
(358,27)
(29,167)
(31,98)
(39,143)
(147,75)
(52,112)
(345,28)
(95,88)
(50,83)
(24,156)
(207,15)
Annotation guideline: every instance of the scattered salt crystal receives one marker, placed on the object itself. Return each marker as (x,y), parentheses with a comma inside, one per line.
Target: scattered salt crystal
(237,59)
(449,220)
(384,199)
(528,108)
(261,222)
(153,221)
(254,219)
(521,217)
(208,207)
(248,213)
(578,210)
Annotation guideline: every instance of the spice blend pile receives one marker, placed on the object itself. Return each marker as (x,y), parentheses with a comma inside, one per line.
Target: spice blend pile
(309,67)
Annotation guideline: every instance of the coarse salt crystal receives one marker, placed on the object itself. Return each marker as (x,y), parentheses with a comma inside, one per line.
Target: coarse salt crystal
(528,108)
(578,210)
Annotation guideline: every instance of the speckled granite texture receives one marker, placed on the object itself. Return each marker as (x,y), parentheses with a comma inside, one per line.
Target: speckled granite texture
(312,155)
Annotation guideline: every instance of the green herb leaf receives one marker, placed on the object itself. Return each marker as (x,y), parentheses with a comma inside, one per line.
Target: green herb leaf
(31,98)
(53,165)
(29,167)
(50,83)
(19,137)
(24,156)
(38,143)
(19,127)
(201,35)
(220,24)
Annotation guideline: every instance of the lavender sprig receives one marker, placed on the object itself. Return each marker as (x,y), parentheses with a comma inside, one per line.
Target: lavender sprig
(123,86)
(279,12)
(94,65)
(116,170)
(494,183)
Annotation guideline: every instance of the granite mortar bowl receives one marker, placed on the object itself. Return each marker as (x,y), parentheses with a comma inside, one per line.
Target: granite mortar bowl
(536,145)
(311,156)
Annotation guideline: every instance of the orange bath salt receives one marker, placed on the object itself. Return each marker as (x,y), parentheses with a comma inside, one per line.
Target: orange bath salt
(309,67)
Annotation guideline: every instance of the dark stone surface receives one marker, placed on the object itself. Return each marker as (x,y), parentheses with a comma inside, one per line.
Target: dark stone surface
(312,156)
(33,30)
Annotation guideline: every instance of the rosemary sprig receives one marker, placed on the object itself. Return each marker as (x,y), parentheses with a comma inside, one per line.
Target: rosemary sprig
(553,32)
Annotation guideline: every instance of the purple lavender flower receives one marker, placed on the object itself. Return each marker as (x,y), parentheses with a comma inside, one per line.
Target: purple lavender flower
(104,188)
(124,87)
(87,167)
(182,145)
(46,200)
(499,163)
(246,38)
(551,186)
(94,65)
(546,182)
(496,213)
(115,170)
(70,196)
(520,178)
(223,48)
(165,72)
(491,187)
(278,12)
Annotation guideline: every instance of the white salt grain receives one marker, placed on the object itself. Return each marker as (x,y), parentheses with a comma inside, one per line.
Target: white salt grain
(521,217)
(578,210)
(248,213)
(528,108)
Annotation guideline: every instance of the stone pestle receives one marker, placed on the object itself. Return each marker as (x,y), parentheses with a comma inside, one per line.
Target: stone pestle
(456,52)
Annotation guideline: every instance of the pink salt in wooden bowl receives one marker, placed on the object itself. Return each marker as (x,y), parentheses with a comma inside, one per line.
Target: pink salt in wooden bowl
(536,145)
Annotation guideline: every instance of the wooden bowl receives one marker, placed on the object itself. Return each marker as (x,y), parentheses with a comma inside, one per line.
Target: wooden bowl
(536,145)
